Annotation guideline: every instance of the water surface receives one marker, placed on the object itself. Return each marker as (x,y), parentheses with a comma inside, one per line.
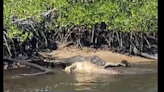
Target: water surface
(145,82)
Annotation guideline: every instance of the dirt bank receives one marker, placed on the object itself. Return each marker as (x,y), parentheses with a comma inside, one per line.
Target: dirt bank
(106,55)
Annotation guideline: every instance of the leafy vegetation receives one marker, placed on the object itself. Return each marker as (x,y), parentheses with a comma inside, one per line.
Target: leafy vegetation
(119,15)
(22,9)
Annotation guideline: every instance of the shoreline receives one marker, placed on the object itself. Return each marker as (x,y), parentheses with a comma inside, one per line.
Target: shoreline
(106,55)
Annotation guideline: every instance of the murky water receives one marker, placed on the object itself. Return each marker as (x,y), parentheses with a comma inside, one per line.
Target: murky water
(62,82)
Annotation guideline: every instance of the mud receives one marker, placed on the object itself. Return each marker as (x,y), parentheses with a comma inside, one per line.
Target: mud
(107,56)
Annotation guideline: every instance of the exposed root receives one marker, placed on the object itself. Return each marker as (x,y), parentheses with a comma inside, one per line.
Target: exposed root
(34,74)
(26,62)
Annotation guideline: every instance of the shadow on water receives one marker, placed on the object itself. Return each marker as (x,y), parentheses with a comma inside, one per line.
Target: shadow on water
(89,83)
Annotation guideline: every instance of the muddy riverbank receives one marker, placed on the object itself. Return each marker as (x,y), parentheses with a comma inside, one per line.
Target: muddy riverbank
(106,55)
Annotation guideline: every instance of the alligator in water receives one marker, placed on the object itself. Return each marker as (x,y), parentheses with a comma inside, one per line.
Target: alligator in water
(87,67)
(95,60)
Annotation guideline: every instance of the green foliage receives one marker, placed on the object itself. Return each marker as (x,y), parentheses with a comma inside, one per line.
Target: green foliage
(124,15)
(22,9)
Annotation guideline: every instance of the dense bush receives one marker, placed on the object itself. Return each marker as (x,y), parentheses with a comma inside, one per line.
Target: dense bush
(124,15)
(22,9)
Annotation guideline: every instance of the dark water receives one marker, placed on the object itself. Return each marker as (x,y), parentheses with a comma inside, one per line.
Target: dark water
(145,82)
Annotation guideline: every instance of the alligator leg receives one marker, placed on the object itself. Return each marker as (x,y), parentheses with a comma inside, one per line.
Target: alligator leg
(122,63)
(72,69)
(110,64)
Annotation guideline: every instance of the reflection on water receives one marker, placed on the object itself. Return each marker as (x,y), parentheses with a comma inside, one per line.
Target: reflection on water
(89,83)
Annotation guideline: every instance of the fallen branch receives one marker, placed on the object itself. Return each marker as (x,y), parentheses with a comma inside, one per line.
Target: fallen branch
(149,56)
(26,62)
(136,51)
(34,74)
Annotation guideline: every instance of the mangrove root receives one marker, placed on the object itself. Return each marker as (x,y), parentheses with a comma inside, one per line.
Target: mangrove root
(26,62)
(136,51)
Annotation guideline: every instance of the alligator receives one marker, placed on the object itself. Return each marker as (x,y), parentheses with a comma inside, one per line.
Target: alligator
(87,67)
(93,59)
